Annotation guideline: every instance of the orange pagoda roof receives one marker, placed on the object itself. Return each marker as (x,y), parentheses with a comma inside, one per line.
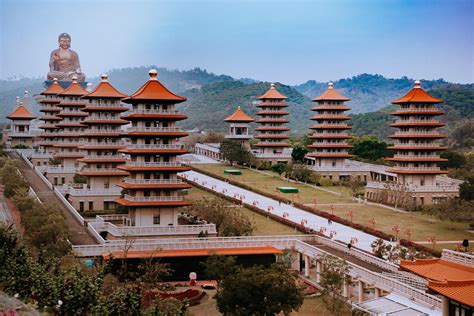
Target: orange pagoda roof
(272,93)
(330,94)
(74,89)
(137,254)
(21,113)
(154,90)
(54,88)
(417,94)
(438,269)
(105,90)
(239,116)
(461,291)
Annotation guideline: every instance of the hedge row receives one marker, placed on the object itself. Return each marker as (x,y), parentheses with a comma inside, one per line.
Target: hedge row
(334,218)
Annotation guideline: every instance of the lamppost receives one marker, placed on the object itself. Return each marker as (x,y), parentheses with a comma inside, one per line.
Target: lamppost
(372,221)
(396,229)
(351,215)
(408,233)
(432,241)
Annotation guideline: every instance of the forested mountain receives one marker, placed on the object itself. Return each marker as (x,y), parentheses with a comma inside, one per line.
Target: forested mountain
(213,97)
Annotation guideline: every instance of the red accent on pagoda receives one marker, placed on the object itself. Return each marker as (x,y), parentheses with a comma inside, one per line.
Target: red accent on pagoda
(153,184)
(21,113)
(103,136)
(272,129)
(239,116)
(330,130)
(416,149)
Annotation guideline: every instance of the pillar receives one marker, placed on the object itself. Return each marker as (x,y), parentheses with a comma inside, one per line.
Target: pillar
(360,291)
(307,263)
(318,272)
(295,265)
(345,289)
(445,311)
(377,292)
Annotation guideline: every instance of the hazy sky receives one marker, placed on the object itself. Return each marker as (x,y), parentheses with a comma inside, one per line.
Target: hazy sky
(285,41)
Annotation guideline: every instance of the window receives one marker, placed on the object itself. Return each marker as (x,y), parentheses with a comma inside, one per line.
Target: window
(91,205)
(156,219)
(81,206)
(63,180)
(55,181)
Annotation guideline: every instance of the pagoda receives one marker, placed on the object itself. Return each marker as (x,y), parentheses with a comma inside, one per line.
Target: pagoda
(330,133)
(70,134)
(239,127)
(19,134)
(102,145)
(272,137)
(49,106)
(417,149)
(152,191)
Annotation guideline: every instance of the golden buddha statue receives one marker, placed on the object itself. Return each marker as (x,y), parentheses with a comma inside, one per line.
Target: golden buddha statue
(64,62)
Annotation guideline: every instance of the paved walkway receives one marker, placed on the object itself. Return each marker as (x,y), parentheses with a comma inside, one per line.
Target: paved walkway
(341,232)
(5,214)
(79,235)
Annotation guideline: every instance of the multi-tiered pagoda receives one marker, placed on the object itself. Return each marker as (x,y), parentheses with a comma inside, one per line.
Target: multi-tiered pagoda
(239,127)
(273,139)
(19,134)
(152,191)
(417,150)
(330,133)
(49,106)
(103,142)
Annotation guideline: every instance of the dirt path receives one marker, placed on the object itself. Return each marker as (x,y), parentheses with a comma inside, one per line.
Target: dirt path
(78,233)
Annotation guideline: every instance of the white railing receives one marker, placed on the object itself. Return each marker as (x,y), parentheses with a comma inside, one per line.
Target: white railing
(238,136)
(154,146)
(101,144)
(416,156)
(102,104)
(207,147)
(152,112)
(416,121)
(153,198)
(103,130)
(263,155)
(43,178)
(458,257)
(330,134)
(73,154)
(322,125)
(153,181)
(22,134)
(51,108)
(92,191)
(270,120)
(153,129)
(269,135)
(46,134)
(417,133)
(112,217)
(272,144)
(154,164)
(328,116)
(57,169)
(410,109)
(416,168)
(154,230)
(104,157)
(69,206)
(415,188)
(397,144)
(69,112)
(86,169)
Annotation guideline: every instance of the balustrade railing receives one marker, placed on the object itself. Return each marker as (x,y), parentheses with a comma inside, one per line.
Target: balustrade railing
(153,181)
(153,198)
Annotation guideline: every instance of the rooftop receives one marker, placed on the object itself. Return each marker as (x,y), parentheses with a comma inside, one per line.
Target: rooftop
(461,291)
(105,90)
(438,269)
(21,112)
(54,88)
(330,95)
(272,93)
(239,116)
(417,94)
(74,89)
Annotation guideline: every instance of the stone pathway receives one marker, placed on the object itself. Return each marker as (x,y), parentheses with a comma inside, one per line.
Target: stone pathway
(339,232)
(79,235)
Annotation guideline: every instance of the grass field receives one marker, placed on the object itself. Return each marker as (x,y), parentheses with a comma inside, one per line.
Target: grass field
(421,226)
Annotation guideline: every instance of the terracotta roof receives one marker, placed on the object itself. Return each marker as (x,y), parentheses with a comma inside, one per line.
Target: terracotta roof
(272,93)
(330,94)
(54,88)
(417,94)
(239,116)
(136,254)
(154,90)
(105,90)
(461,291)
(21,113)
(74,89)
(438,269)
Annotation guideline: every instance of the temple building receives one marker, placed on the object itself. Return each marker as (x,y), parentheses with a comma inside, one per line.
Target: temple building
(103,134)
(239,127)
(330,134)
(70,134)
(49,106)
(417,150)
(273,146)
(19,134)
(152,192)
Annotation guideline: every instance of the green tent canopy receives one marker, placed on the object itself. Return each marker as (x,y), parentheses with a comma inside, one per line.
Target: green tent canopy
(234,172)
(288,189)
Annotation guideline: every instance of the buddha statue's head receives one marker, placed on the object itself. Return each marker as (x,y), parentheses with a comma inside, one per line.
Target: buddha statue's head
(64,40)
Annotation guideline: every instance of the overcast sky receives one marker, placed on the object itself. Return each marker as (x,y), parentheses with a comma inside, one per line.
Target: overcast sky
(285,41)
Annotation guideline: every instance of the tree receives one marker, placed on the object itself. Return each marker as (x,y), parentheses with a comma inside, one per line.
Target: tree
(355,185)
(333,277)
(234,151)
(279,168)
(454,210)
(299,172)
(455,160)
(258,291)
(11,179)
(298,154)
(466,189)
(218,267)
(369,148)
(229,221)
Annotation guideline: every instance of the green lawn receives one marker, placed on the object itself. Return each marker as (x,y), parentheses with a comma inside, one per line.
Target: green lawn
(420,225)
(262,224)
